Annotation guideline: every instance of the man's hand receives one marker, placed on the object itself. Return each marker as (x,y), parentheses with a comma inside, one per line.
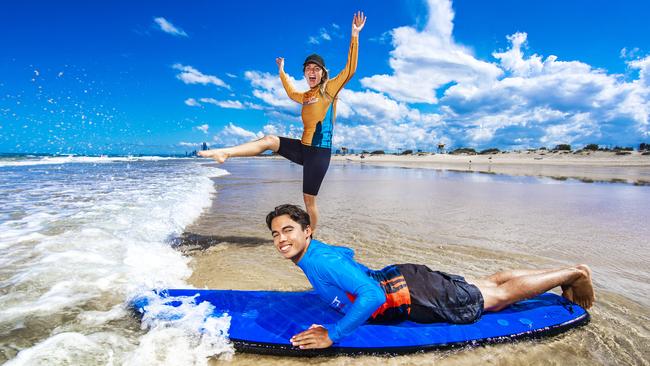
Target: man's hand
(358,22)
(280,62)
(314,337)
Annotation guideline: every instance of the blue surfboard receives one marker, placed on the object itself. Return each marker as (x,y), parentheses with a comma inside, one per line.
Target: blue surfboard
(264,321)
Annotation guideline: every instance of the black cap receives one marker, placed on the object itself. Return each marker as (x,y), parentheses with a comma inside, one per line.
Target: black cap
(314,59)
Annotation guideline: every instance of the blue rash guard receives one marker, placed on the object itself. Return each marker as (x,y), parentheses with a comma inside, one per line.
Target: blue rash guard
(350,287)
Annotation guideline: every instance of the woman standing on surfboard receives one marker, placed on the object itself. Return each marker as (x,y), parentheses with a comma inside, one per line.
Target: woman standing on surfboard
(314,150)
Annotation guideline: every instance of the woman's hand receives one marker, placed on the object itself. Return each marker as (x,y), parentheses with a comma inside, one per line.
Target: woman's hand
(280,62)
(358,22)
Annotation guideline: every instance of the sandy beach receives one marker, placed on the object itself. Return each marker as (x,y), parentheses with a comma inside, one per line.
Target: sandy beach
(593,166)
(465,223)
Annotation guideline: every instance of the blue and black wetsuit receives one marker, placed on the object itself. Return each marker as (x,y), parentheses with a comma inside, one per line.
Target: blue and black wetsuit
(395,293)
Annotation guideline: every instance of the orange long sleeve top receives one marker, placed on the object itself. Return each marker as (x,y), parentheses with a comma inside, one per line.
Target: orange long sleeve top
(319,111)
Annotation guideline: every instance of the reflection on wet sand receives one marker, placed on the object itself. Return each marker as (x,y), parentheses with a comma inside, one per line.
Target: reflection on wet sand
(470,224)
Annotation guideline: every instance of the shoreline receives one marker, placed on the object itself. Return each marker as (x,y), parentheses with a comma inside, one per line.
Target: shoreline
(586,167)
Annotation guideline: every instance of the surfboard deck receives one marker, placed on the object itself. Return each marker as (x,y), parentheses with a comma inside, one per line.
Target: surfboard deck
(263,322)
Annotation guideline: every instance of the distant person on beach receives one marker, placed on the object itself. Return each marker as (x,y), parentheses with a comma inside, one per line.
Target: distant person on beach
(314,150)
(404,291)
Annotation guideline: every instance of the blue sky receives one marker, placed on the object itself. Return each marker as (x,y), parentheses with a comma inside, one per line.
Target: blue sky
(161,76)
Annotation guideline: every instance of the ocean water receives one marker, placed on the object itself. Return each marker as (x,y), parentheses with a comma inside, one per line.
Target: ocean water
(79,238)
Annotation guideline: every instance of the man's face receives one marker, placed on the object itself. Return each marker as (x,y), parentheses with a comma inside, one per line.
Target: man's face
(289,238)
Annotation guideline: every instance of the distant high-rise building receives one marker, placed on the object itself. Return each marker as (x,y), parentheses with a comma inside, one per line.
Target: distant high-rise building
(204,146)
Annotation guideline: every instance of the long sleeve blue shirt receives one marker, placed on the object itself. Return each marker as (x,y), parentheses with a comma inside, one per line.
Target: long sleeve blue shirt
(337,278)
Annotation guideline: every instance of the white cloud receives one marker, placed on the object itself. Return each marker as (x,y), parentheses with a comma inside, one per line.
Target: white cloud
(204,128)
(426,60)
(192,102)
(232,135)
(168,27)
(630,54)
(269,89)
(278,129)
(190,75)
(325,34)
(517,99)
(231,104)
(582,104)
(189,144)
(231,75)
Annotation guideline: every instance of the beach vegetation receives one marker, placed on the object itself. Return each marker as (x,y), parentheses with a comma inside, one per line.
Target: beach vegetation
(625,148)
(644,146)
(490,151)
(378,152)
(562,147)
(463,150)
(591,147)
(407,152)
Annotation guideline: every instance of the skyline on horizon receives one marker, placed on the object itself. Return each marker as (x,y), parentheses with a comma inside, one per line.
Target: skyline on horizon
(164,77)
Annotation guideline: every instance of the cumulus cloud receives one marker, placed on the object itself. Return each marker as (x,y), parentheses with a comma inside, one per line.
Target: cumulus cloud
(423,61)
(232,135)
(556,101)
(204,128)
(168,27)
(269,89)
(190,75)
(516,99)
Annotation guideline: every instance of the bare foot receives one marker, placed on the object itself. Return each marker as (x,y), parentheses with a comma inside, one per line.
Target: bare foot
(219,155)
(567,292)
(583,289)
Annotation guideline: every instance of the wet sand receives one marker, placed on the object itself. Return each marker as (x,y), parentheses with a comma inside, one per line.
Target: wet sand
(597,166)
(469,224)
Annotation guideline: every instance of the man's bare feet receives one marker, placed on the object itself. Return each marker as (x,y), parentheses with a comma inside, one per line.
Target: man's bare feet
(567,292)
(583,289)
(219,155)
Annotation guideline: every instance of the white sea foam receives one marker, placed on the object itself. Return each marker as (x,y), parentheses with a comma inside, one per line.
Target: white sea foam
(69,159)
(77,243)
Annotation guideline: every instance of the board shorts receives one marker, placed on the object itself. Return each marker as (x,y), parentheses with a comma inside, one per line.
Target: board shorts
(314,160)
(440,297)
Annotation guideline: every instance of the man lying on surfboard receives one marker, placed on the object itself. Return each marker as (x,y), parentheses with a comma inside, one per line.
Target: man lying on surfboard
(404,291)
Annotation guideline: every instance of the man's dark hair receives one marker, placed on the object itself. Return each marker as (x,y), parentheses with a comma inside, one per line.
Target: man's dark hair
(296,214)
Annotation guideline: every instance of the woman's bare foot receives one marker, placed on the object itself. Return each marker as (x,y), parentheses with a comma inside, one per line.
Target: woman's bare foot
(583,289)
(218,154)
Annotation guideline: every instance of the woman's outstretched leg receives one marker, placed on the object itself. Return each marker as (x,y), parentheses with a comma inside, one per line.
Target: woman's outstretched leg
(253,148)
(312,209)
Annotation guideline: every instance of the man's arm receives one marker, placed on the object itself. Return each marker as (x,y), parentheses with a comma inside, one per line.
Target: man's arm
(368,298)
(286,83)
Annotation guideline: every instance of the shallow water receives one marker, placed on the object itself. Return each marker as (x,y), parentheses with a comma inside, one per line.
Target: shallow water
(81,236)
(466,223)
